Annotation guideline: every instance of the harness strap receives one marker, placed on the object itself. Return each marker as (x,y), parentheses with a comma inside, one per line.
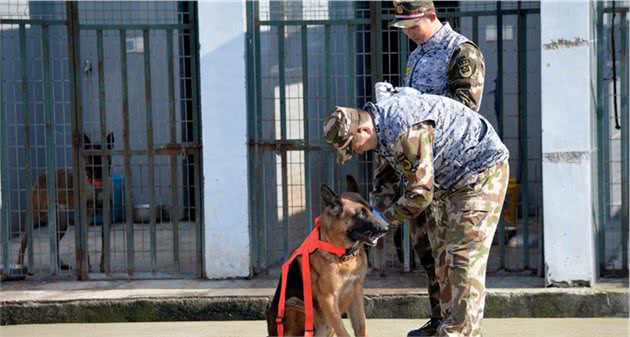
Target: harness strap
(95,182)
(308,296)
(310,244)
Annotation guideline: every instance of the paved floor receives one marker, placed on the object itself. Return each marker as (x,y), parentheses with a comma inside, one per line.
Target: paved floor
(142,256)
(573,327)
(395,283)
(165,258)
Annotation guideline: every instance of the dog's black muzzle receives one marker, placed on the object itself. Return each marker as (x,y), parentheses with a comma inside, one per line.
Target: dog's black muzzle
(368,230)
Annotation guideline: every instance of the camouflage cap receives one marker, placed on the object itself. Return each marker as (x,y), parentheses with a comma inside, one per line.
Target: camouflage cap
(408,12)
(339,128)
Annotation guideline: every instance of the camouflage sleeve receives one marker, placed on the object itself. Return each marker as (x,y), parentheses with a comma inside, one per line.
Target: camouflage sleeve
(466,71)
(414,152)
(386,185)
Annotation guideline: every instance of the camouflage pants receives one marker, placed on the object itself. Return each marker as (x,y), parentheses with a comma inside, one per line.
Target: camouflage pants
(422,247)
(464,220)
(389,188)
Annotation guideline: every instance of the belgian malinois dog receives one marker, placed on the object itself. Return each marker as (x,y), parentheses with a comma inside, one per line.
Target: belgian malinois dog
(346,221)
(64,190)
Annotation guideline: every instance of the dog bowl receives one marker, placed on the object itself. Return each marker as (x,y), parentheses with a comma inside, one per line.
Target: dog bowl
(141,213)
(13,273)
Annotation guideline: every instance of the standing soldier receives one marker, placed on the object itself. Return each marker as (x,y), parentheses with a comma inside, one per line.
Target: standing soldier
(453,160)
(445,63)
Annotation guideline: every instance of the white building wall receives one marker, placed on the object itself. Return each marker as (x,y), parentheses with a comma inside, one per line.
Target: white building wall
(567,134)
(224,128)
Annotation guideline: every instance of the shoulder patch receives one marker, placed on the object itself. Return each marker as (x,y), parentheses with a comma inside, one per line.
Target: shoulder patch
(405,162)
(408,71)
(466,67)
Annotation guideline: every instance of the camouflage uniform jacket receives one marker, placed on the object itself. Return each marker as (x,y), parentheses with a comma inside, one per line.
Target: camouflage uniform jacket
(448,64)
(433,142)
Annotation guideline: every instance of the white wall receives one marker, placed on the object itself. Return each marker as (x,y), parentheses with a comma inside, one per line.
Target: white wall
(627,126)
(567,134)
(224,128)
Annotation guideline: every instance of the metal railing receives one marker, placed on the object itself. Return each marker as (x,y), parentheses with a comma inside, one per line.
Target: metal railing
(101,75)
(613,141)
(306,57)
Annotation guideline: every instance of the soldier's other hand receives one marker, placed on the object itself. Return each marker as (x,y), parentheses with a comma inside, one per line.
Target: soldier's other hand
(382,90)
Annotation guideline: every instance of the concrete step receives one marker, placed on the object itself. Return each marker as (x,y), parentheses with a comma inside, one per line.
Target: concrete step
(33,302)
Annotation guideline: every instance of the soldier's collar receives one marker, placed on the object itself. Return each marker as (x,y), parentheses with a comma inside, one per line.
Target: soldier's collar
(374,112)
(437,38)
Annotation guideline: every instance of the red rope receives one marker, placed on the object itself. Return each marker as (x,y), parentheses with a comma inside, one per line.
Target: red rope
(310,244)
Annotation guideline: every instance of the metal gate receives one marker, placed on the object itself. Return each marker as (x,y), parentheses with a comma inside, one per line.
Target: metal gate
(306,57)
(99,143)
(613,123)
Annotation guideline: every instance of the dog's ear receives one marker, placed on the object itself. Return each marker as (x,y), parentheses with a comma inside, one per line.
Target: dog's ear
(353,186)
(86,140)
(110,140)
(330,200)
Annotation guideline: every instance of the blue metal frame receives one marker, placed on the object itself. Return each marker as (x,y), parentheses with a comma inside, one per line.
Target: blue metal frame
(625,140)
(4,187)
(603,137)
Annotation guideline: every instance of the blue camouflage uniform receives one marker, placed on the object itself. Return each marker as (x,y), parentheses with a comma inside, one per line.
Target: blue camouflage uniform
(464,143)
(452,159)
(448,64)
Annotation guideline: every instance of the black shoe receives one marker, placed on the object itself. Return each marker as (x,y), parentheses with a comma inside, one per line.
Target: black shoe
(428,329)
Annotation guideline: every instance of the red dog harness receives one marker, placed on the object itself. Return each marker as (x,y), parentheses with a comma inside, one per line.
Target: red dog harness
(310,244)
(95,182)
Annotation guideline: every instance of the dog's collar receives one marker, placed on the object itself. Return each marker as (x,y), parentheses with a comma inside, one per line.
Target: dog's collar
(351,252)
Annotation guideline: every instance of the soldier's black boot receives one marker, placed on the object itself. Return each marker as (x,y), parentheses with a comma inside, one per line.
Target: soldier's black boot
(428,329)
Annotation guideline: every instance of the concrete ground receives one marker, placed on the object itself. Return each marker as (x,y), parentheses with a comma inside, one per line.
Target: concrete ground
(394,283)
(262,285)
(513,259)
(395,296)
(549,327)
(142,256)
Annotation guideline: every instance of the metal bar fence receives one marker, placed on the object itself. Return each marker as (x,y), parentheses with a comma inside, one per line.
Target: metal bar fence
(338,62)
(55,91)
(625,140)
(612,137)
(27,146)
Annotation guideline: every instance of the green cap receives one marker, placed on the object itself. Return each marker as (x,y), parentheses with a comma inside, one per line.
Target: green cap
(339,129)
(408,12)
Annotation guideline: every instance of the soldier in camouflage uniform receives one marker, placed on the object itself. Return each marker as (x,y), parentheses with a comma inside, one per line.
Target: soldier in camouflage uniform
(444,63)
(452,159)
